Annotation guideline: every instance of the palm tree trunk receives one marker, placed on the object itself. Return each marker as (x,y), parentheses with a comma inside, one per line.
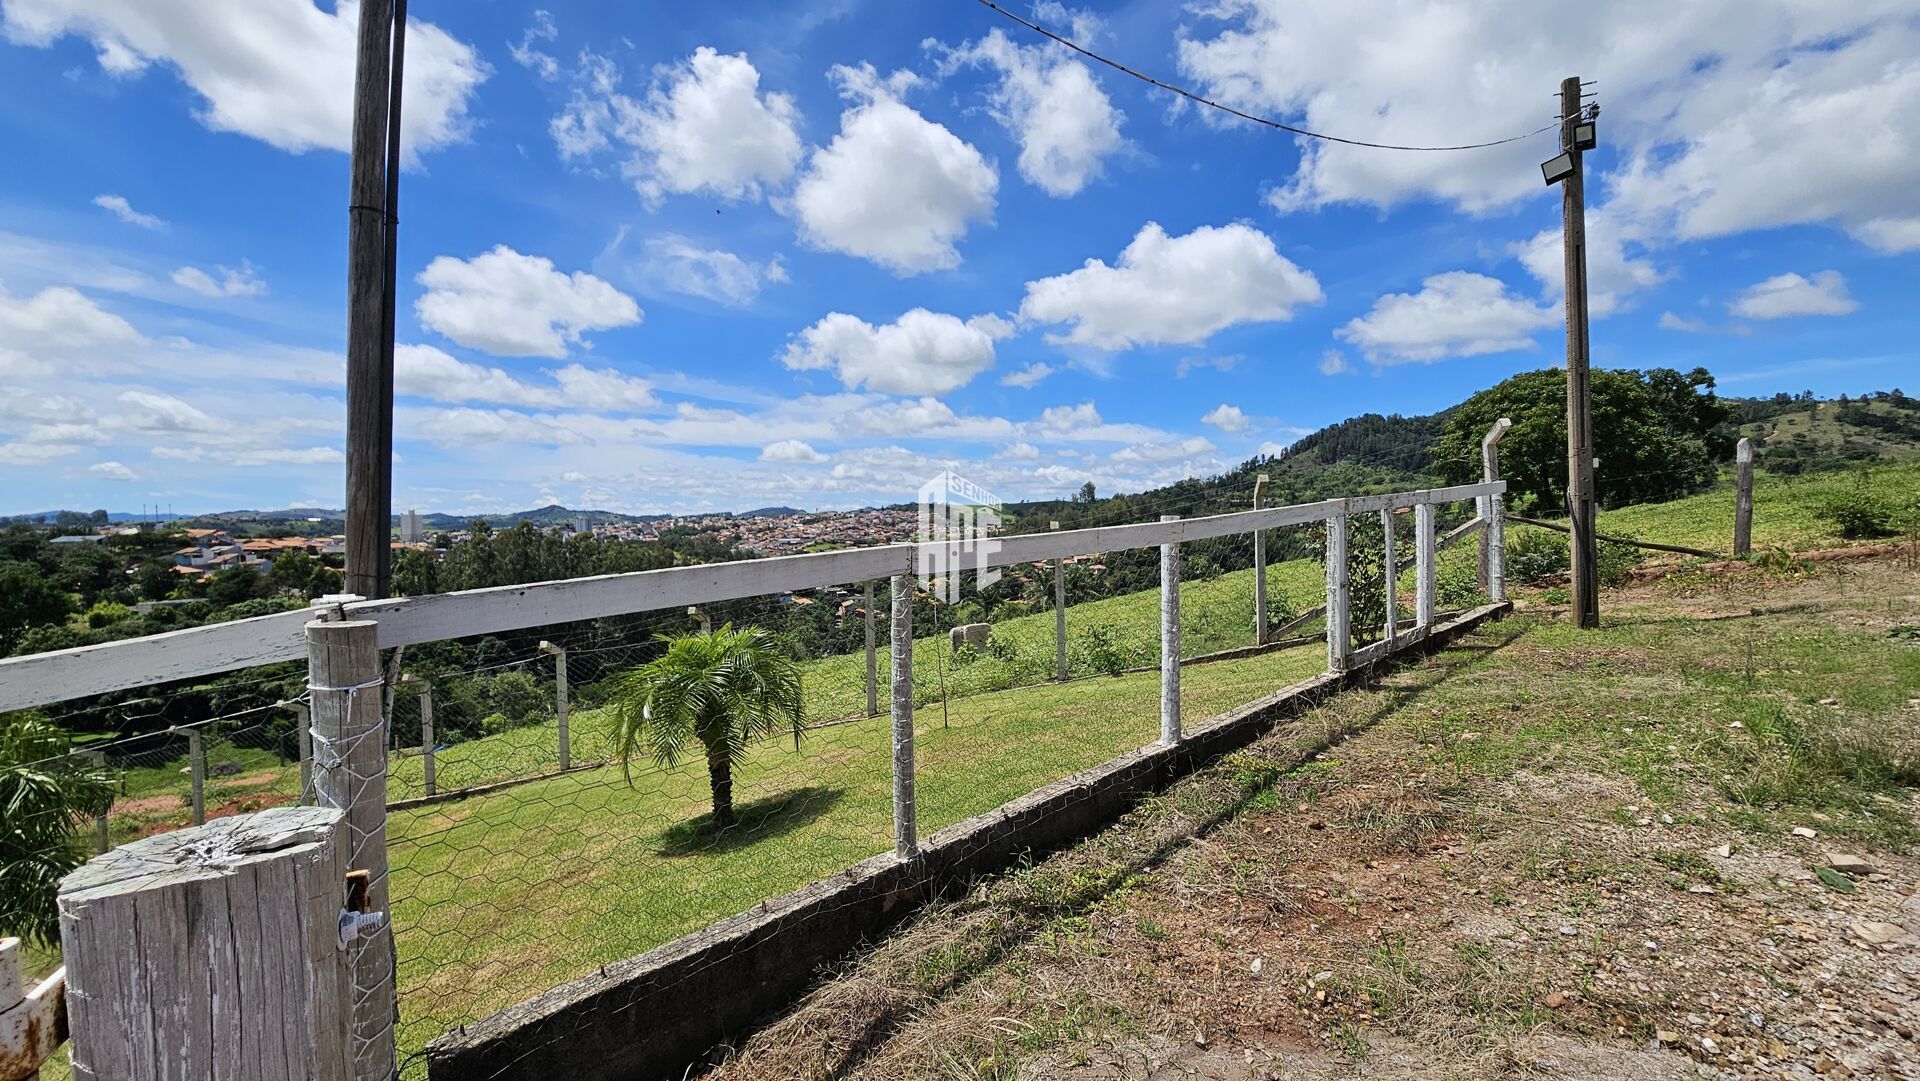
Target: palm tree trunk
(720,777)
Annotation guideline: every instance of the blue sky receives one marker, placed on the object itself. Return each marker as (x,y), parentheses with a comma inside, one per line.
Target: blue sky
(661,257)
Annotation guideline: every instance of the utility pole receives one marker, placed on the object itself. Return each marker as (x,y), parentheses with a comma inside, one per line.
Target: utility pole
(369,377)
(1576,137)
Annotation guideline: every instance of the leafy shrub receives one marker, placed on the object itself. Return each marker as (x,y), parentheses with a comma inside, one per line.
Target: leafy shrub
(1280,609)
(1616,560)
(1536,556)
(1858,511)
(1101,651)
(105,612)
(1456,584)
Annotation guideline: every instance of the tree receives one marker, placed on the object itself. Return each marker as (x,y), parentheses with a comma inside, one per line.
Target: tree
(156,579)
(235,584)
(1086,495)
(291,571)
(1658,434)
(722,689)
(27,600)
(415,573)
(42,792)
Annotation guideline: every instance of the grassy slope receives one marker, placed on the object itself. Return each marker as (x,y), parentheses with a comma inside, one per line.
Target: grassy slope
(1786,510)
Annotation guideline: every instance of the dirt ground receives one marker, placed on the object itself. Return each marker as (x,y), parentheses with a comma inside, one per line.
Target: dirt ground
(1680,846)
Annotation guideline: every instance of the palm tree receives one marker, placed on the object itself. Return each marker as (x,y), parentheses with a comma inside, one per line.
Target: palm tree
(43,791)
(723,689)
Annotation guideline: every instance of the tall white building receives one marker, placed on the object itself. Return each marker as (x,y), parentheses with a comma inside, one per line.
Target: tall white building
(412,529)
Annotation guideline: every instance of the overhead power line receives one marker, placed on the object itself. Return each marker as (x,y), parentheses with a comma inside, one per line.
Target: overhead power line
(1211,104)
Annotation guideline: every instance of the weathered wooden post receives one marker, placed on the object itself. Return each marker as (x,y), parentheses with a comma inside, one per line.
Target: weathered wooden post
(1743,507)
(350,775)
(214,952)
(100,841)
(305,735)
(1059,613)
(559,654)
(873,661)
(1424,553)
(1339,627)
(1492,532)
(1170,638)
(1391,627)
(906,842)
(196,771)
(427,772)
(33,1021)
(1259,567)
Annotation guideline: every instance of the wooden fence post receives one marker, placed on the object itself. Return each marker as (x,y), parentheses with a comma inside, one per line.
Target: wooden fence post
(1059,613)
(427,739)
(213,952)
(1259,567)
(100,841)
(1339,627)
(1493,534)
(1170,638)
(196,772)
(559,654)
(305,730)
(873,661)
(1424,558)
(1392,622)
(350,775)
(1743,507)
(906,842)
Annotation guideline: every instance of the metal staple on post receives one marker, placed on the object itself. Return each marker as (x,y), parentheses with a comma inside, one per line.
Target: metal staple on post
(1170,638)
(1339,627)
(906,842)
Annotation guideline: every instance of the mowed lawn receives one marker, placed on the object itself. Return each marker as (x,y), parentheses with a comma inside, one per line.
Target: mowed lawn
(499,897)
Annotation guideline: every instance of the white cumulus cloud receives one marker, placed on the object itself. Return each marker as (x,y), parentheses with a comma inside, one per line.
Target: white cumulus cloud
(277,70)
(892,186)
(922,352)
(509,304)
(1028,377)
(1786,295)
(1227,418)
(1173,290)
(111,470)
(790,450)
(244,282)
(704,127)
(1050,102)
(1456,314)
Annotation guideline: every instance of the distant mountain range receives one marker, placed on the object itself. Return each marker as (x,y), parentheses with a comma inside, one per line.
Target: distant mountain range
(550,515)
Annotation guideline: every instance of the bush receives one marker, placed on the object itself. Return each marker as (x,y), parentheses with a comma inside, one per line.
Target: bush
(1457,584)
(106,612)
(1101,651)
(1858,511)
(1616,560)
(1536,555)
(1280,609)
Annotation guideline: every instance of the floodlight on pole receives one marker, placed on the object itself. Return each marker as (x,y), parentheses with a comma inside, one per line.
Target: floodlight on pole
(1557,168)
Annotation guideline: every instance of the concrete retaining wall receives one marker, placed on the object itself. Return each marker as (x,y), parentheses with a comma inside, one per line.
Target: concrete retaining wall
(655,1015)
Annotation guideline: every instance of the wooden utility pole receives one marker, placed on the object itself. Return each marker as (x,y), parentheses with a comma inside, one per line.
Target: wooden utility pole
(1580,504)
(369,377)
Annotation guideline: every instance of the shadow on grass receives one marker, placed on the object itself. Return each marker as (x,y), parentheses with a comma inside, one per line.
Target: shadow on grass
(756,821)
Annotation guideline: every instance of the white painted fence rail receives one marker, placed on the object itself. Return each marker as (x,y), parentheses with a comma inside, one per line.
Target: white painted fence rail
(62,675)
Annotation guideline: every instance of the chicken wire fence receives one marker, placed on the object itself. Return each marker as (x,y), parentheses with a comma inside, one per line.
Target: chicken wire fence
(524,850)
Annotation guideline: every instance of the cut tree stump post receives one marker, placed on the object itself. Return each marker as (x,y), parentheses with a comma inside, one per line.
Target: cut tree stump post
(1743,507)
(1424,554)
(873,660)
(350,774)
(1339,636)
(1059,613)
(906,842)
(1170,638)
(213,952)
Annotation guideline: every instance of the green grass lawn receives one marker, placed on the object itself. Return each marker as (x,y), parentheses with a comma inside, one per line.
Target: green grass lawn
(499,897)
(1786,510)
